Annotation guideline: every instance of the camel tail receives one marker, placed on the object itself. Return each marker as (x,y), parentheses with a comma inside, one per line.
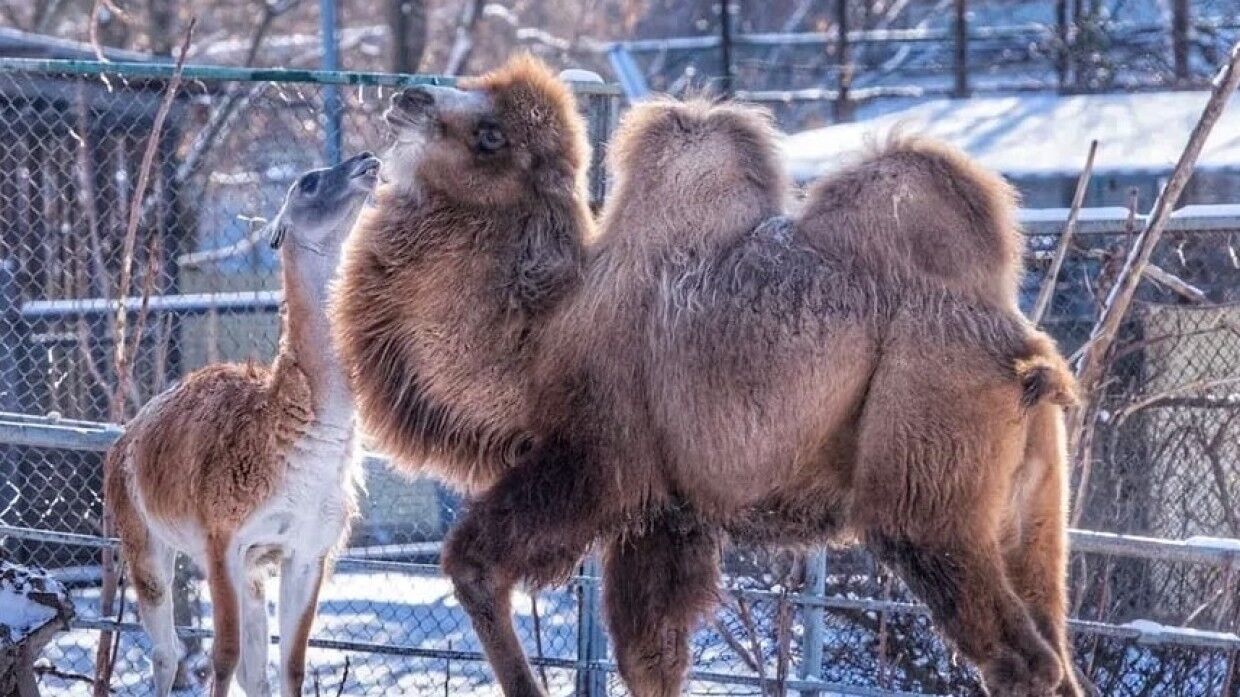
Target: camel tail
(1044,375)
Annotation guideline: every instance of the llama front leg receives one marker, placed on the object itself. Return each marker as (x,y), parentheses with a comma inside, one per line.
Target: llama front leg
(224,566)
(301,577)
(534,525)
(659,583)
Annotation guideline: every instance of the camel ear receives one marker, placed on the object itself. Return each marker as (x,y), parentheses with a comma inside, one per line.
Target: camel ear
(549,260)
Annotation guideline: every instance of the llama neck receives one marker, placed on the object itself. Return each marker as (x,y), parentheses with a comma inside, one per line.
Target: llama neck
(305,337)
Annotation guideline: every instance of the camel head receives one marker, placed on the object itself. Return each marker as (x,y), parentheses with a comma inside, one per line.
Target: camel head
(491,142)
(321,206)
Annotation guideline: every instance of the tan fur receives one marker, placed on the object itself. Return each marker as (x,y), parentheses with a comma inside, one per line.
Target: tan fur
(919,208)
(213,466)
(859,371)
(443,383)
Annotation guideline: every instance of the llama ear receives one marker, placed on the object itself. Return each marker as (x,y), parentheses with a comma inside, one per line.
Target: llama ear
(275,231)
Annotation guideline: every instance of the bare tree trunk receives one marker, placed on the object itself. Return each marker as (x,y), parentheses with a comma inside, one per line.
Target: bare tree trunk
(463,44)
(961,64)
(844,105)
(1181,15)
(407,25)
(1062,36)
(160,17)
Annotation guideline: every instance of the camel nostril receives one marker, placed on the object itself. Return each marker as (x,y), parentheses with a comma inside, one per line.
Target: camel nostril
(414,98)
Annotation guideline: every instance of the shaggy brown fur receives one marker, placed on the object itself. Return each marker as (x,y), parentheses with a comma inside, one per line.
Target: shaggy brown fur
(213,466)
(720,367)
(446,284)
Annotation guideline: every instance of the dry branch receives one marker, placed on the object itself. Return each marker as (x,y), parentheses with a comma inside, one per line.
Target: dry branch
(1094,361)
(1159,275)
(135,218)
(105,654)
(1065,238)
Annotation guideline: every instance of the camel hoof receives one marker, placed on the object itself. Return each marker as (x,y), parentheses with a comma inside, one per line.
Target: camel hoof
(1037,674)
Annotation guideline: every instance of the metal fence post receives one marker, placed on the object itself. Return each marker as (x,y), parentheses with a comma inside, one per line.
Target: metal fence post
(332,107)
(591,638)
(815,587)
(10,316)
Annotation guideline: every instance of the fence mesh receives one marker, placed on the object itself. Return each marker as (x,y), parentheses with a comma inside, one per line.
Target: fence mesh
(71,141)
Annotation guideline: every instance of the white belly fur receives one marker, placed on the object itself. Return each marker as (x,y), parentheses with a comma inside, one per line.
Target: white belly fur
(307,515)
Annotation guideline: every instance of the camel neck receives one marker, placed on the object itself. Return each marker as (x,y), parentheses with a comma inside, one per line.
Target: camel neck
(305,338)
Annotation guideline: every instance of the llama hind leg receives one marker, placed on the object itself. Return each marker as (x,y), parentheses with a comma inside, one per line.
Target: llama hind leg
(658,584)
(151,566)
(534,525)
(965,586)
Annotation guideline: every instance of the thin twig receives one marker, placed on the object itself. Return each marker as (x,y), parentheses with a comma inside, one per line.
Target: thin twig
(131,231)
(105,656)
(1065,238)
(1157,398)
(343,678)
(737,647)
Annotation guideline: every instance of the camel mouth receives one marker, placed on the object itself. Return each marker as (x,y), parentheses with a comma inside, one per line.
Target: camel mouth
(400,120)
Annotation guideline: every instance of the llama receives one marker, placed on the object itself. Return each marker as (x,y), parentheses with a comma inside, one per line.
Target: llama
(243,467)
(707,368)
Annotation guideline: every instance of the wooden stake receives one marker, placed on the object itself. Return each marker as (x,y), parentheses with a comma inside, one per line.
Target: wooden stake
(1065,239)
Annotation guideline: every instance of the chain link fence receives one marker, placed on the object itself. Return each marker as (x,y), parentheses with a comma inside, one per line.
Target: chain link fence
(1155,599)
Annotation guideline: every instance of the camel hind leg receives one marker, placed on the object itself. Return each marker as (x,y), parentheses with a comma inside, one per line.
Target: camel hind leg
(658,583)
(1036,539)
(934,463)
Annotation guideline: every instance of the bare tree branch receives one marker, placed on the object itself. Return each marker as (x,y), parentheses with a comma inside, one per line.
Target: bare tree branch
(1065,239)
(1094,362)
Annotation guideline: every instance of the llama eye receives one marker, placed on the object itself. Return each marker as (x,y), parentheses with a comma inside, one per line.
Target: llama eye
(309,184)
(490,138)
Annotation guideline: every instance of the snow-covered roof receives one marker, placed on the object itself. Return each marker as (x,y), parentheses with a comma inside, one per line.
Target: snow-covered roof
(1040,134)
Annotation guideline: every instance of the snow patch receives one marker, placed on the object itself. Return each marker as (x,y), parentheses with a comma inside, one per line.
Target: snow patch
(1025,135)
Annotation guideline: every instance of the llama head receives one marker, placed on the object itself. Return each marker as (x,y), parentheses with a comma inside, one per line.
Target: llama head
(492,141)
(322,204)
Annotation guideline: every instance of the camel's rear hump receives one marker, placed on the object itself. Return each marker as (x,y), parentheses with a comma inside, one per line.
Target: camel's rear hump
(920,207)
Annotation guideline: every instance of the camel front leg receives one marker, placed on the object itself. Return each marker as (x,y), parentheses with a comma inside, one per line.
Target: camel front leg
(534,525)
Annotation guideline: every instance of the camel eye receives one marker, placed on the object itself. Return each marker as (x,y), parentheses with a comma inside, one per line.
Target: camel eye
(490,138)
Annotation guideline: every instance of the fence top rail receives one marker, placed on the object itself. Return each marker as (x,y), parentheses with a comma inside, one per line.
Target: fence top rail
(1113,219)
(164,70)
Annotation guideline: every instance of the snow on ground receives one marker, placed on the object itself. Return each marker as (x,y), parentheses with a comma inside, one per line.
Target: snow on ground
(393,610)
(20,614)
(1026,135)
